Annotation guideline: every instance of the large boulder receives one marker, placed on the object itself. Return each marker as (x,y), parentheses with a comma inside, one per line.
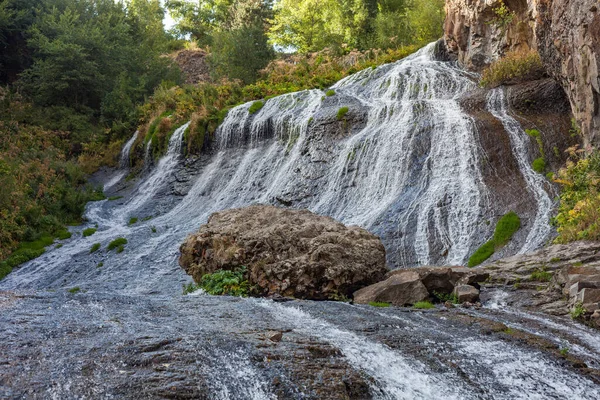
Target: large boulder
(287,252)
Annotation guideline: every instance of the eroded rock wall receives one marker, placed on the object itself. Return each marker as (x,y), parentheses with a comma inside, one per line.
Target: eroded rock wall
(566,33)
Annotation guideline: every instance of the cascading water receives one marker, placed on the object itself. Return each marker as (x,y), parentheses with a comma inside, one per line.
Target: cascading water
(540,230)
(123,163)
(403,162)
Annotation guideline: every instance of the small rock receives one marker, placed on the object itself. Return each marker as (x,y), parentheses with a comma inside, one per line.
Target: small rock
(275,336)
(466,294)
(401,289)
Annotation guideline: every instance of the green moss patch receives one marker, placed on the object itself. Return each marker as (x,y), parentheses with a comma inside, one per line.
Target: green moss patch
(256,107)
(342,113)
(117,243)
(89,232)
(506,227)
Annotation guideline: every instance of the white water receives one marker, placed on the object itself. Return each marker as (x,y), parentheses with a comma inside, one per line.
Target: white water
(123,163)
(396,377)
(536,183)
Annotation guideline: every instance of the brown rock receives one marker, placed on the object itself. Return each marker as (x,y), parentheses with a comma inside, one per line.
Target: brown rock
(466,294)
(275,336)
(400,289)
(287,252)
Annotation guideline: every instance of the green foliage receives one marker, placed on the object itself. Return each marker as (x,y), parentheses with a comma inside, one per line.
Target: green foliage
(564,351)
(423,305)
(190,288)
(63,234)
(116,244)
(503,16)
(132,221)
(240,53)
(120,249)
(153,229)
(256,107)
(578,311)
(100,265)
(541,275)
(330,93)
(539,165)
(227,283)
(342,113)
(379,304)
(312,25)
(514,67)
(113,198)
(506,227)
(89,232)
(95,247)
(444,297)
(74,290)
(579,211)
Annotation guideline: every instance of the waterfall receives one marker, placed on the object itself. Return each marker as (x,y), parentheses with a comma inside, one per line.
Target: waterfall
(536,183)
(123,163)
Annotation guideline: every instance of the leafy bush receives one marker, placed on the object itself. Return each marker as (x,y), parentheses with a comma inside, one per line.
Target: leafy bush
(539,165)
(444,297)
(514,67)
(506,227)
(256,107)
(578,311)
(226,283)
(541,276)
(116,244)
(342,113)
(579,211)
(95,247)
(423,305)
(89,232)
(379,304)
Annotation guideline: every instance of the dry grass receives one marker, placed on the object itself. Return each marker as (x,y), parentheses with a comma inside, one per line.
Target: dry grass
(514,67)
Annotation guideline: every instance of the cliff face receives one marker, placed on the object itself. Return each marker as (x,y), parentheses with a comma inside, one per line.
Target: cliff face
(565,33)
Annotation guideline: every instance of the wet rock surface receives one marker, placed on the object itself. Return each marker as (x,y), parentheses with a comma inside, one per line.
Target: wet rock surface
(287,252)
(407,287)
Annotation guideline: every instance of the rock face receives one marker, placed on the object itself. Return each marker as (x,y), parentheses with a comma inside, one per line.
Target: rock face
(554,279)
(194,66)
(407,287)
(287,252)
(565,33)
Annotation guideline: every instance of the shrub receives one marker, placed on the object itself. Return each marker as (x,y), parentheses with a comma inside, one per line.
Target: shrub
(89,232)
(226,283)
(541,276)
(578,311)
(539,165)
(444,297)
(578,215)
(342,113)
(117,243)
(379,304)
(506,227)
(256,107)
(133,220)
(514,67)
(330,93)
(95,248)
(63,234)
(423,305)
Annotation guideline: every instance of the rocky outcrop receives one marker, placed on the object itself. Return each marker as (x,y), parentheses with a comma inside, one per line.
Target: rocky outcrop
(565,33)
(193,65)
(556,279)
(288,252)
(407,287)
